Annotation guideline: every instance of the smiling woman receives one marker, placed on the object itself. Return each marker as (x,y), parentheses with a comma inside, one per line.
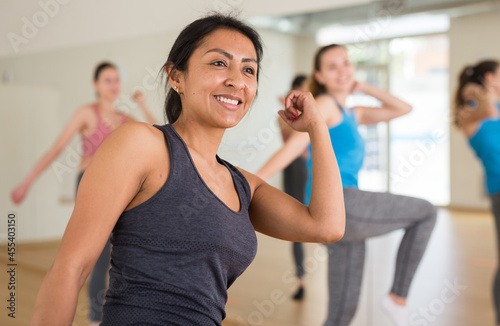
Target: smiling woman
(182,219)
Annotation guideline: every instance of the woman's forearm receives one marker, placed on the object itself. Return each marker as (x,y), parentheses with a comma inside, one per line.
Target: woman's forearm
(147,113)
(57,298)
(42,165)
(388,100)
(326,205)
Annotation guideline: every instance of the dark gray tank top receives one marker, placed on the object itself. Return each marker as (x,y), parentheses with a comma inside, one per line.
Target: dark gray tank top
(175,255)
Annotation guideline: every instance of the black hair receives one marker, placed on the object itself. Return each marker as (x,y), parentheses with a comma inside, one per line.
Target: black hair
(189,40)
(298,81)
(315,87)
(472,74)
(100,67)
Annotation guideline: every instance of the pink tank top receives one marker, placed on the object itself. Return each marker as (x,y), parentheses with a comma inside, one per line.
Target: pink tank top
(101,132)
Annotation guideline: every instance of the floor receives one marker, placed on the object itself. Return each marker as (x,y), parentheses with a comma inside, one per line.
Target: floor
(451,288)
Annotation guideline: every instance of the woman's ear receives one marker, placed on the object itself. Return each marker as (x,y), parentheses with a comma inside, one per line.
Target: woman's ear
(94,83)
(488,78)
(319,77)
(173,74)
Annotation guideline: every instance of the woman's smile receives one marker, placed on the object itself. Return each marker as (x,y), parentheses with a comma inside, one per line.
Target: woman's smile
(228,101)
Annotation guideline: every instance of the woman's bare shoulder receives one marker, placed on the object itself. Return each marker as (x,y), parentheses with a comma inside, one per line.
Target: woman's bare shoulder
(88,108)
(141,134)
(324,99)
(329,108)
(253,181)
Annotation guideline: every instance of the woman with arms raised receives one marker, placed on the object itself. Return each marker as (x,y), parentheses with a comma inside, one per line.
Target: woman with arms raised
(94,122)
(478,117)
(183,219)
(368,214)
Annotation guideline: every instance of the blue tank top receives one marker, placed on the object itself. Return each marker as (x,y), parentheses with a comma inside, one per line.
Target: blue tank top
(175,255)
(486,144)
(349,148)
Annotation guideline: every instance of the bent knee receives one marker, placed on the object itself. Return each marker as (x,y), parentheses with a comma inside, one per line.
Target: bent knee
(429,211)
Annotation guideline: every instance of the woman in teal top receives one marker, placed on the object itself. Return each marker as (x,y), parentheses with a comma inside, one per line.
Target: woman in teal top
(350,151)
(477,115)
(368,214)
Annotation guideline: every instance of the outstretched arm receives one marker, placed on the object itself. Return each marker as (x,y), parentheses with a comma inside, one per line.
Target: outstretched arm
(392,107)
(279,215)
(294,147)
(75,124)
(109,184)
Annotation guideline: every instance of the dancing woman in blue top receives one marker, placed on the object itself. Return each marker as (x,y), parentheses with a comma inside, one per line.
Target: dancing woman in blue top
(368,214)
(477,115)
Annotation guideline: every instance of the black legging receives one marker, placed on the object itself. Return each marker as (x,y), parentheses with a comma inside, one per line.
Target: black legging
(495,208)
(295,178)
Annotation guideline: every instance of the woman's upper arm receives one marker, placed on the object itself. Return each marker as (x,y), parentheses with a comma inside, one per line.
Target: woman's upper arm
(111,181)
(277,214)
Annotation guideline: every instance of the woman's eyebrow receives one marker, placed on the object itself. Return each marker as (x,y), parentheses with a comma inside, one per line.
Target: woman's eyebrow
(229,55)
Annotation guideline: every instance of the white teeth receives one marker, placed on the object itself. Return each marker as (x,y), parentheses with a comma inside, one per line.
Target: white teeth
(226,100)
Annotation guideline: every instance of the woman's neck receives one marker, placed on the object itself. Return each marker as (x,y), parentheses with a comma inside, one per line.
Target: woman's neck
(340,97)
(105,105)
(202,139)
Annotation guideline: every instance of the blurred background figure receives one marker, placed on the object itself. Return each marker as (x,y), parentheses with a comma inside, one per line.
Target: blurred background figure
(477,116)
(94,122)
(368,214)
(294,183)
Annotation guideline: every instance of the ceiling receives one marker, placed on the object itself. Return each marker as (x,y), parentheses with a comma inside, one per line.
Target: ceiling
(45,25)
(68,23)
(309,23)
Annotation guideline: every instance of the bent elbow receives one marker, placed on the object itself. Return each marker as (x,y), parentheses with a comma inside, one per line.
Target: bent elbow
(334,234)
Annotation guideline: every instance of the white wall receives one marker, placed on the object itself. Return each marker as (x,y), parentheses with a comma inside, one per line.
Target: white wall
(305,49)
(472,38)
(67,74)
(28,112)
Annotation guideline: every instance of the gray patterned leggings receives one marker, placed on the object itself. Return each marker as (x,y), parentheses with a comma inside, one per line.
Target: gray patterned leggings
(495,207)
(370,214)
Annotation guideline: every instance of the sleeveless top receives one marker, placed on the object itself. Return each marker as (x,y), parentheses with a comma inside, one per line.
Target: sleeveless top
(175,255)
(349,148)
(486,143)
(101,132)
